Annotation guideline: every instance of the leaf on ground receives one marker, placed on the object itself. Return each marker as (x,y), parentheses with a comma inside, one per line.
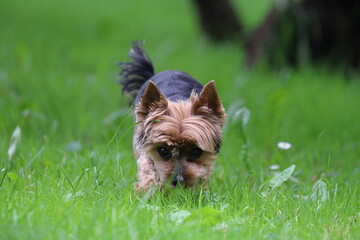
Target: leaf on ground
(221,227)
(74,146)
(280,178)
(320,192)
(206,217)
(72,196)
(242,115)
(12,176)
(14,141)
(179,216)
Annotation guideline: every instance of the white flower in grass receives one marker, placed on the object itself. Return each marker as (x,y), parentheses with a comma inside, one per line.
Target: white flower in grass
(274,167)
(284,145)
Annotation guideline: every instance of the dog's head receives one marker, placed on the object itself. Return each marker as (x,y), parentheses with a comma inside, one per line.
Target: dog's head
(181,138)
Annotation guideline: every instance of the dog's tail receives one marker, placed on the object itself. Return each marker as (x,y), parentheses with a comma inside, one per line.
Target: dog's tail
(135,73)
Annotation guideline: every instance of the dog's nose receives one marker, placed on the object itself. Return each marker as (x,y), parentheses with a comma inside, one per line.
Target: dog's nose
(178,179)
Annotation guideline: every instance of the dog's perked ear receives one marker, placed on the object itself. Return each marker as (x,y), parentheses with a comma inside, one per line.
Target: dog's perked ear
(152,99)
(209,98)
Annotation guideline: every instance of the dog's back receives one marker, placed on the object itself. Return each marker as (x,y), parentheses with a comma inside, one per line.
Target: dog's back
(135,75)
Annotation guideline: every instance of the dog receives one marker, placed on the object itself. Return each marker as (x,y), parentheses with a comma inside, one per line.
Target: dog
(178,131)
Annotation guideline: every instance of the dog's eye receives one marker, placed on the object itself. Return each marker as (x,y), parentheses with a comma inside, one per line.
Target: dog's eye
(164,152)
(195,154)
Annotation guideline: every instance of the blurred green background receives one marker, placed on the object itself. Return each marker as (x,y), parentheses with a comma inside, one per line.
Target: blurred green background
(74,166)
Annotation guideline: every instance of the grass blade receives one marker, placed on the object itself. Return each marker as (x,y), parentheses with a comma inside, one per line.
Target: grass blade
(72,186)
(34,158)
(14,141)
(3,178)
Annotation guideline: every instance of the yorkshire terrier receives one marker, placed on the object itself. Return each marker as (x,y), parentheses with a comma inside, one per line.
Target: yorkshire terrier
(178,130)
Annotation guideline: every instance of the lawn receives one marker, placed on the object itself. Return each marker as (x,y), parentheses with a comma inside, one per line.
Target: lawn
(66,164)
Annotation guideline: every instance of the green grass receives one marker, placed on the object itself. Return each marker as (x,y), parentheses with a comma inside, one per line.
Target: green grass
(72,174)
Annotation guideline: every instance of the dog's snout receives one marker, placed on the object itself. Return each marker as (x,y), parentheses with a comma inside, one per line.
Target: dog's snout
(178,179)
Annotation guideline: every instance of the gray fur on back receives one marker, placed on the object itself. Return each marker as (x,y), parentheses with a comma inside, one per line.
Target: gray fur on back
(175,85)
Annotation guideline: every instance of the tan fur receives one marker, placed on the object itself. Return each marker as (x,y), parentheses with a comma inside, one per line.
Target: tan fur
(180,126)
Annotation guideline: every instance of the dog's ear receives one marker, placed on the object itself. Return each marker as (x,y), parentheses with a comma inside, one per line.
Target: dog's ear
(209,106)
(209,98)
(151,94)
(151,100)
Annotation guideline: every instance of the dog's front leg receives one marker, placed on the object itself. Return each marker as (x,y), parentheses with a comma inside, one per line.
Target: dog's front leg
(146,173)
